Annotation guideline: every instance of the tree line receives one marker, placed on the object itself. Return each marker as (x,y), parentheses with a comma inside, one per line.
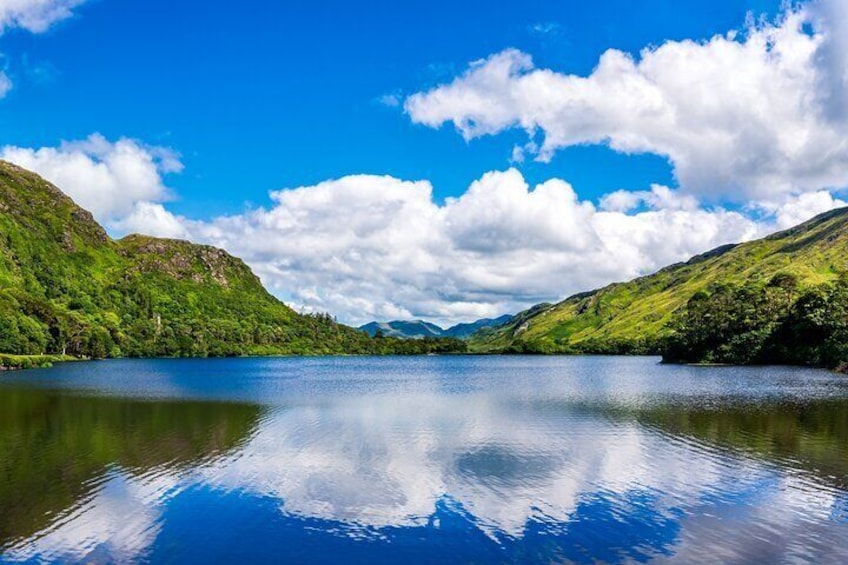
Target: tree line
(776,322)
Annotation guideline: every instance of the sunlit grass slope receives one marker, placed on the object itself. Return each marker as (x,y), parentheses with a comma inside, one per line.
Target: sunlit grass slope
(632,316)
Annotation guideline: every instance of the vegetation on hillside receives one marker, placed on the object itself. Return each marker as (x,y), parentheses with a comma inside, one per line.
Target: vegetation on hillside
(639,316)
(67,288)
(775,323)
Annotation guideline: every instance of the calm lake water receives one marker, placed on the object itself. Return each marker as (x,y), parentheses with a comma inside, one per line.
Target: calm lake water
(422,460)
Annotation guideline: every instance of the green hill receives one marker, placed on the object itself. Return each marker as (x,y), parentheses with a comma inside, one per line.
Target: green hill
(634,317)
(66,287)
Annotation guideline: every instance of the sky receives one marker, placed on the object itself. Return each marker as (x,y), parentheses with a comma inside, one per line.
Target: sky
(436,160)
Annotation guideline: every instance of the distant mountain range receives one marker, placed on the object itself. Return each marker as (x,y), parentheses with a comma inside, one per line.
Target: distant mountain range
(418,329)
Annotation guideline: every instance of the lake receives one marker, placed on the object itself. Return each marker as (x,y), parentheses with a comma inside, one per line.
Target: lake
(422,460)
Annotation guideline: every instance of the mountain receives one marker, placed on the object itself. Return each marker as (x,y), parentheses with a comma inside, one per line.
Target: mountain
(419,328)
(634,316)
(401,329)
(463,331)
(66,287)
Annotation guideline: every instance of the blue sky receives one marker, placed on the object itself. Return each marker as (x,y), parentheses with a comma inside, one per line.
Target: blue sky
(437,160)
(264,95)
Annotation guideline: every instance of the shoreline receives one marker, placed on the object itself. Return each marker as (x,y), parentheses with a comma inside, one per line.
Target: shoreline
(10,362)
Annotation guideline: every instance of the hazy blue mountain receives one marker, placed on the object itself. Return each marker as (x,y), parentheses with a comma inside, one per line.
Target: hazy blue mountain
(403,329)
(416,329)
(463,331)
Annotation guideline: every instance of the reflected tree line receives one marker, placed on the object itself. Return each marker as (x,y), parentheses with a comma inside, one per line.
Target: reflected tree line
(811,436)
(54,447)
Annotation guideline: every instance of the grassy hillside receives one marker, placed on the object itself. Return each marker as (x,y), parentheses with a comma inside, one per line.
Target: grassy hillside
(634,316)
(66,287)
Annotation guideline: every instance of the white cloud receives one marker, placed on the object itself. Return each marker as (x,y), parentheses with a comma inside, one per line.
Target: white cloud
(545,28)
(741,117)
(365,247)
(392,100)
(152,218)
(658,198)
(803,207)
(110,179)
(375,247)
(35,16)
(832,58)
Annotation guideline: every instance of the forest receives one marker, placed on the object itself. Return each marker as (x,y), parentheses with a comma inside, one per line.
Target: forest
(773,323)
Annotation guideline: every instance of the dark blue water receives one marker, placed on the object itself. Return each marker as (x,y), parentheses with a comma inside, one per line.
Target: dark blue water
(422,460)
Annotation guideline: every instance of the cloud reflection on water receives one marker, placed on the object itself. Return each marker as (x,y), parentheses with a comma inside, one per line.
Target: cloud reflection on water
(478,474)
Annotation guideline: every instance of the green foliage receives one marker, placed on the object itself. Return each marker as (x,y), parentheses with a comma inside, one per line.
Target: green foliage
(763,324)
(13,362)
(67,288)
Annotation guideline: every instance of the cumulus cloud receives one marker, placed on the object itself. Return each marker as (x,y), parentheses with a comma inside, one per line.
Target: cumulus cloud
(35,16)
(365,247)
(832,58)
(152,218)
(803,207)
(659,197)
(110,179)
(751,116)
